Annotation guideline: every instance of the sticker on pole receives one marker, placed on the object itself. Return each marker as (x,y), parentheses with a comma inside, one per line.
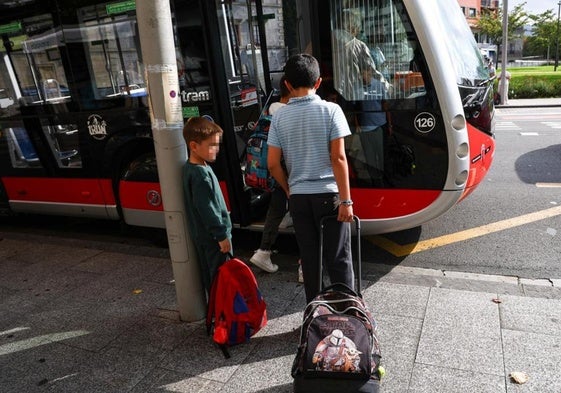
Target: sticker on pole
(425,122)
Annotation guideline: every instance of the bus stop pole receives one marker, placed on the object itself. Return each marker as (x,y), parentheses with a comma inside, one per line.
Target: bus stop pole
(503,91)
(158,53)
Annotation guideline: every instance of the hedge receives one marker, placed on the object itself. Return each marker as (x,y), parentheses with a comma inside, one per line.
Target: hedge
(531,83)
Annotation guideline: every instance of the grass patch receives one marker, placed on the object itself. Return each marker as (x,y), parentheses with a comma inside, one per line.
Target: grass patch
(534,82)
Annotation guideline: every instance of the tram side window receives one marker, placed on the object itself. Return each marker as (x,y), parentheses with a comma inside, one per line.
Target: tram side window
(64,144)
(20,148)
(34,71)
(370,41)
(112,52)
(8,87)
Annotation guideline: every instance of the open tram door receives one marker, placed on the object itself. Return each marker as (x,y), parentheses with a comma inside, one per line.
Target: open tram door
(418,99)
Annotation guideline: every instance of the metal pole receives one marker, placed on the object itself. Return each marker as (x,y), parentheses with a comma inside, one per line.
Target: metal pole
(504,58)
(158,53)
(557,38)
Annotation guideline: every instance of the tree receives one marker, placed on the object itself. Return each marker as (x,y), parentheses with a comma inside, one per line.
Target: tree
(542,41)
(491,24)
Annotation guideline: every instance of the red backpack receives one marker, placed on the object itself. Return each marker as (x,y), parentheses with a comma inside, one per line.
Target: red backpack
(235,306)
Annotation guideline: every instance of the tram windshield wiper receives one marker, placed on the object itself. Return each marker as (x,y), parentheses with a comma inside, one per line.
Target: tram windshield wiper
(484,82)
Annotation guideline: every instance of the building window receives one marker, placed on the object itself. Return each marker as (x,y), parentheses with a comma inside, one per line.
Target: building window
(472,13)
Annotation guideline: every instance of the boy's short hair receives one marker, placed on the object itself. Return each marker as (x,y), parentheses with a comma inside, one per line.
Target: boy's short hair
(197,129)
(284,92)
(302,70)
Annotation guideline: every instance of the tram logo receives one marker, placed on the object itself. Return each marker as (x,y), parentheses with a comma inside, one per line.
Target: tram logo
(97,127)
(154,198)
(194,96)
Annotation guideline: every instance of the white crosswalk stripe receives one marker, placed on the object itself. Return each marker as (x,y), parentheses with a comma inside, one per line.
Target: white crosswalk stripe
(552,124)
(506,125)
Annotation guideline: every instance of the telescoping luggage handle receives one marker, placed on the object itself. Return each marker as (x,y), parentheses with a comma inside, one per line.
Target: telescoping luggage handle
(358,268)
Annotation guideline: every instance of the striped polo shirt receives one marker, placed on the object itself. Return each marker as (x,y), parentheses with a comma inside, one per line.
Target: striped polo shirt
(303,130)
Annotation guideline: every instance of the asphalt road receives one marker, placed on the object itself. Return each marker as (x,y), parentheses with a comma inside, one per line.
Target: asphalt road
(503,238)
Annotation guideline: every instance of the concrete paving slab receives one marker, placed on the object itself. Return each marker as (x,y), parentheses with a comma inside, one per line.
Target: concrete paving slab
(434,379)
(399,337)
(461,330)
(461,284)
(59,256)
(409,279)
(54,366)
(268,367)
(538,355)
(384,298)
(482,277)
(534,315)
(41,293)
(541,291)
(537,282)
(161,380)
(152,335)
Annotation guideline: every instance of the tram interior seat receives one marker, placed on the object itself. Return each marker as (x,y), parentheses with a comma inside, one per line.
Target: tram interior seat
(59,134)
(21,146)
(51,89)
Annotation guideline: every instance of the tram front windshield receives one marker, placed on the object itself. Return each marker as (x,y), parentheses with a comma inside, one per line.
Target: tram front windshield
(462,48)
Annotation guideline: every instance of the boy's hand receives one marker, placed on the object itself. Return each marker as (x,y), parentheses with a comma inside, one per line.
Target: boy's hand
(345,213)
(225,246)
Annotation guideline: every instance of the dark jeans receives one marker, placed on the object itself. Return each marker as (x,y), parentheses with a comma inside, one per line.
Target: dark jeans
(307,211)
(210,258)
(275,214)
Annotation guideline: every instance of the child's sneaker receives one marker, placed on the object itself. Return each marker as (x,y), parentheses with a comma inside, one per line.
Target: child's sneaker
(262,259)
(300,273)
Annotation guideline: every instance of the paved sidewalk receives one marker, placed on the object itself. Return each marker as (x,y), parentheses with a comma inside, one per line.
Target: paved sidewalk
(532,102)
(83,318)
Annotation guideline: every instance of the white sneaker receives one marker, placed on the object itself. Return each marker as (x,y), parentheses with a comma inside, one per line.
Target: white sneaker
(262,259)
(300,273)
(286,221)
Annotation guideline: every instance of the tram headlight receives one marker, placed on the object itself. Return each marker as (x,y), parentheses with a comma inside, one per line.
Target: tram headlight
(459,122)
(463,150)
(461,178)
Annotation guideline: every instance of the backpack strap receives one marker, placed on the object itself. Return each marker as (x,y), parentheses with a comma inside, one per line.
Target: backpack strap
(212,296)
(211,303)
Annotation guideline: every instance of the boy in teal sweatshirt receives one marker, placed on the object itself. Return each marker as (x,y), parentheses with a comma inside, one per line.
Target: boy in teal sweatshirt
(207,216)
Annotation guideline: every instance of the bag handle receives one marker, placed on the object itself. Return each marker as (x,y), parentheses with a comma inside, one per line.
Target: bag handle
(341,287)
(357,268)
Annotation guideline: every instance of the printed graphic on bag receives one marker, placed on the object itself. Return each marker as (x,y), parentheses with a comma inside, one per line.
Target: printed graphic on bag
(336,352)
(338,343)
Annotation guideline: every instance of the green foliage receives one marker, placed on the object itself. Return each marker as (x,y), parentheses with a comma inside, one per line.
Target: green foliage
(542,41)
(491,23)
(534,82)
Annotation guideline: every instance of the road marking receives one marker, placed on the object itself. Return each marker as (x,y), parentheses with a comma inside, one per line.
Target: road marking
(506,125)
(548,185)
(399,250)
(529,133)
(552,124)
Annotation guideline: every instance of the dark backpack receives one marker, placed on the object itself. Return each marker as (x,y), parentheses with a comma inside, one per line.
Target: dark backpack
(236,308)
(338,340)
(257,174)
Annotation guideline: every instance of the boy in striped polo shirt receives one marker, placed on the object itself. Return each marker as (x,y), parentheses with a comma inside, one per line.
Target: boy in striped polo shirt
(309,133)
